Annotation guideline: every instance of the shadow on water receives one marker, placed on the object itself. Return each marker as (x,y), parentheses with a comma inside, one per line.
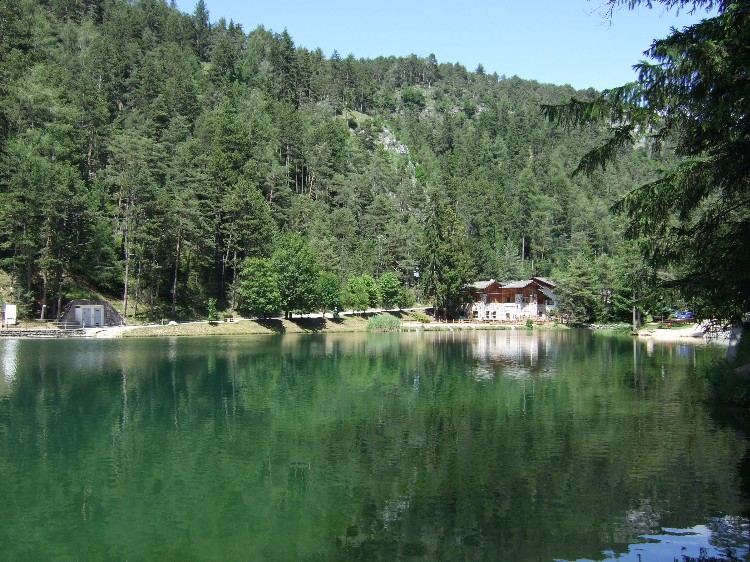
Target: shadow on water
(737,420)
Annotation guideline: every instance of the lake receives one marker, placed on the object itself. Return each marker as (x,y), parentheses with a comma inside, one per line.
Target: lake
(496,445)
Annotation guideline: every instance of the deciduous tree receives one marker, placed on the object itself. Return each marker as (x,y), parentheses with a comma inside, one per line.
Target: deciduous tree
(297,272)
(258,288)
(329,291)
(389,288)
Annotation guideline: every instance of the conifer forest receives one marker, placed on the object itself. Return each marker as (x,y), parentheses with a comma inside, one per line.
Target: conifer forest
(171,161)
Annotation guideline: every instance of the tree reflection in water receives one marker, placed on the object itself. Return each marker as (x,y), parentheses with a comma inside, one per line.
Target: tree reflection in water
(479,445)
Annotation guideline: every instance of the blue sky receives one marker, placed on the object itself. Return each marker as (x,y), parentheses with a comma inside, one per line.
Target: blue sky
(556,41)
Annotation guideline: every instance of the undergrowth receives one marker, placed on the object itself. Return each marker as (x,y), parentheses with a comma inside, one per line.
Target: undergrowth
(383,323)
(420,316)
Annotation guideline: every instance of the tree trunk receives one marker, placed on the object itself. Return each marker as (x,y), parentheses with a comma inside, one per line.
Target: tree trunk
(224,260)
(234,281)
(126,250)
(176,270)
(90,156)
(58,308)
(44,296)
(137,288)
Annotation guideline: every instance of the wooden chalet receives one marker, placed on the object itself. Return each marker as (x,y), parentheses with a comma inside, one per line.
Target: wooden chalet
(512,300)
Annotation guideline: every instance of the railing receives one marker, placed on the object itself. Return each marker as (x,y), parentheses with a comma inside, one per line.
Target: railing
(66,325)
(517,321)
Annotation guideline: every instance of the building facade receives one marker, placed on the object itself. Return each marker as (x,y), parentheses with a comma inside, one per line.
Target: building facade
(513,300)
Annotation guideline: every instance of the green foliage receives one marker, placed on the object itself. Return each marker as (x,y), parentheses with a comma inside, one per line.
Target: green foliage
(297,272)
(383,323)
(447,268)
(421,317)
(529,324)
(405,298)
(692,215)
(577,292)
(213,313)
(259,288)
(150,153)
(329,291)
(360,293)
(412,98)
(389,290)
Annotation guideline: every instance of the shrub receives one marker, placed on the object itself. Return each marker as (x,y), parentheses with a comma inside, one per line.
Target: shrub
(405,298)
(420,317)
(529,324)
(383,323)
(412,98)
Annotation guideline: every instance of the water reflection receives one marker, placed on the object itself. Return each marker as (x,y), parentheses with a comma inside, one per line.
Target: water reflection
(512,353)
(474,445)
(10,359)
(724,538)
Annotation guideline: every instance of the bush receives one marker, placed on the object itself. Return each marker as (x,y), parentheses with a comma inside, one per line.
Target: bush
(405,298)
(529,324)
(383,323)
(420,317)
(412,98)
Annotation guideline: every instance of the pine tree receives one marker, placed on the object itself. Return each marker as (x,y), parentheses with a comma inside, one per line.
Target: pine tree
(446,266)
(693,98)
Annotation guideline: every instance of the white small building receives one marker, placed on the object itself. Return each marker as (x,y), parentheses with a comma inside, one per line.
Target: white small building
(91,314)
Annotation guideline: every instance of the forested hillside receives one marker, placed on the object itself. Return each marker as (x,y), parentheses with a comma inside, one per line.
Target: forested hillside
(164,158)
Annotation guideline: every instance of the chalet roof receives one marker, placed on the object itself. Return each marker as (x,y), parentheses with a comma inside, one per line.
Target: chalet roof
(547,293)
(516,284)
(482,284)
(545,281)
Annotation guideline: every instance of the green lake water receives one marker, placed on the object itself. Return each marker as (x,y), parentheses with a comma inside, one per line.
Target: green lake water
(494,445)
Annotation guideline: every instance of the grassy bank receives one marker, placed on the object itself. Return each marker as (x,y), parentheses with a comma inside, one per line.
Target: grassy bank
(370,322)
(248,327)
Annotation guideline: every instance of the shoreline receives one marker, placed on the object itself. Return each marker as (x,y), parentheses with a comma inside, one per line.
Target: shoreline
(693,333)
(319,324)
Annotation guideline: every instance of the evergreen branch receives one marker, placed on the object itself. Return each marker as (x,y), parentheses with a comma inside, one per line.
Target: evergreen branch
(599,157)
